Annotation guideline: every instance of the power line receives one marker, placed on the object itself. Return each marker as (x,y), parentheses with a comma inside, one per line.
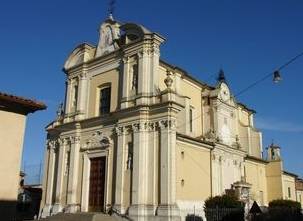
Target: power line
(269,74)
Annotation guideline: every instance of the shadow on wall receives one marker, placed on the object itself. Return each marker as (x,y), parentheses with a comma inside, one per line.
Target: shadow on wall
(192,217)
(8,210)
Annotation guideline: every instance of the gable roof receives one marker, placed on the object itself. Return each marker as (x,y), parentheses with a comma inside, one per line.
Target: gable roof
(21,105)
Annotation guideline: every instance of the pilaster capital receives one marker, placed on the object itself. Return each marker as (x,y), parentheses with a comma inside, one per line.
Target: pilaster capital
(75,140)
(167,124)
(83,75)
(51,144)
(156,49)
(63,141)
(120,130)
(140,126)
(125,60)
(68,81)
(143,52)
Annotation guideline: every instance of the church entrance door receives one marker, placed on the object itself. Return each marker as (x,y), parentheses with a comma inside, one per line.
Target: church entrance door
(97,184)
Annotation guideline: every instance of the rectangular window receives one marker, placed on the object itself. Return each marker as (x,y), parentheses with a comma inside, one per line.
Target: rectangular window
(289,192)
(135,78)
(129,156)
(191,120)
(105,95)
(261,198)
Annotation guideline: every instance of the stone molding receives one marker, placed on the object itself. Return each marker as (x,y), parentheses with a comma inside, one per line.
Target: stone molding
(55,142)
(147,126)
(96,140)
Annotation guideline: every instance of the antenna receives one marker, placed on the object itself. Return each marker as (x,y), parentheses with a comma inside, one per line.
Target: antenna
(111,7)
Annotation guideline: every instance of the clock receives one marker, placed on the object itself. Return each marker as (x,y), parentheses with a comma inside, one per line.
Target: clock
(224,92)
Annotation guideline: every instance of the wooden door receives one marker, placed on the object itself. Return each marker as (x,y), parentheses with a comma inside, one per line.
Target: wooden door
(97,184)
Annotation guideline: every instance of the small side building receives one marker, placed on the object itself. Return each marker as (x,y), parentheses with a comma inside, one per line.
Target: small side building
(299,190)
(13,112)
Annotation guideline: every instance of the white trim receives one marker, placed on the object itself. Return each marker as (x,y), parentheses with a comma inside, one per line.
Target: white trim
(86,173)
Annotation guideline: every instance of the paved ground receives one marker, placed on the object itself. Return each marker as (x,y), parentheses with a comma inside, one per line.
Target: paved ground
(82,217)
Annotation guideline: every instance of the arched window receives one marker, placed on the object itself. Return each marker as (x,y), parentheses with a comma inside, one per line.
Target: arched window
(104,100)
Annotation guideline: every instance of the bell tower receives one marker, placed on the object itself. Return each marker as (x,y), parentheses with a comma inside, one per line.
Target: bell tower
(273,153)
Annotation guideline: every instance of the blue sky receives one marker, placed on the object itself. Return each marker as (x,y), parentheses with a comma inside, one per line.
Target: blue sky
(247,38)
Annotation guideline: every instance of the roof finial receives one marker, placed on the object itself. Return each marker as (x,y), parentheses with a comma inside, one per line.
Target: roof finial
(111,8)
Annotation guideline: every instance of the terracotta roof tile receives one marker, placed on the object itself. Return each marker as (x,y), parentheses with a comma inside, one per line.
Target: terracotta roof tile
(19,104)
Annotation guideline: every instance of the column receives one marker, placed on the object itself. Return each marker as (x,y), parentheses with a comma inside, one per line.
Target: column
(49,178)
(82,95)
(60,176)
(140,207)
(73,206)
(126,83)
(168,206)
(120,167)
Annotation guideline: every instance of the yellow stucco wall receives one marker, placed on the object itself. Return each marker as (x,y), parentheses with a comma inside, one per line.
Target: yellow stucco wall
(194,168)
(289,185)
(186,88)
(107,78)
(12,127)
(300,197)
(274,180)
(256,175)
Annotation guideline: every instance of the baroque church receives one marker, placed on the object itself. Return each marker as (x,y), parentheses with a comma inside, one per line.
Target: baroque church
(146,140)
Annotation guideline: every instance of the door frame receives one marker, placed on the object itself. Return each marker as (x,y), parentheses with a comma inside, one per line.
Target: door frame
(87,156)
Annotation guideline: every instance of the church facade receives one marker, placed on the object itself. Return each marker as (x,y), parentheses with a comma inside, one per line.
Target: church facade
(143,138)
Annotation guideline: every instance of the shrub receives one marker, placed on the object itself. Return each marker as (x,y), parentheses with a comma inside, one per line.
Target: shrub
(288,204)
(225,201)
(224,208)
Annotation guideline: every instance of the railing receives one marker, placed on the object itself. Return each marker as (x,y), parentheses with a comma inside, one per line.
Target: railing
(224,214)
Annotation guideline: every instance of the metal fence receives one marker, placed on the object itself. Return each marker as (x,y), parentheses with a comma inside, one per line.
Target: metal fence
(33,173)
(224,214)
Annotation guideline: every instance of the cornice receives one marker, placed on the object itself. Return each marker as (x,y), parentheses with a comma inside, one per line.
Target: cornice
(256,159)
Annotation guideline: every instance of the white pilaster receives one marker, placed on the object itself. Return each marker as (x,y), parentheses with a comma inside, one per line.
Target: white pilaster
(144,77)
(154,69)
(60,176)
(73,175)
(140,207)
(126,79)
(120,167)
(82,98)
(50,179)
(68,96)
(168,206)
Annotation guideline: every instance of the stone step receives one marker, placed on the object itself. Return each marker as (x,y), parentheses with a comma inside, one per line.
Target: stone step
(82,217)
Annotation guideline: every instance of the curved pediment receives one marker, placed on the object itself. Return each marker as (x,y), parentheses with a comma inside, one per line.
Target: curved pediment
(134,31)
(80,54)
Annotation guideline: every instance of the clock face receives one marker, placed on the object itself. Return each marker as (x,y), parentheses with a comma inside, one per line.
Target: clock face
(225,95)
